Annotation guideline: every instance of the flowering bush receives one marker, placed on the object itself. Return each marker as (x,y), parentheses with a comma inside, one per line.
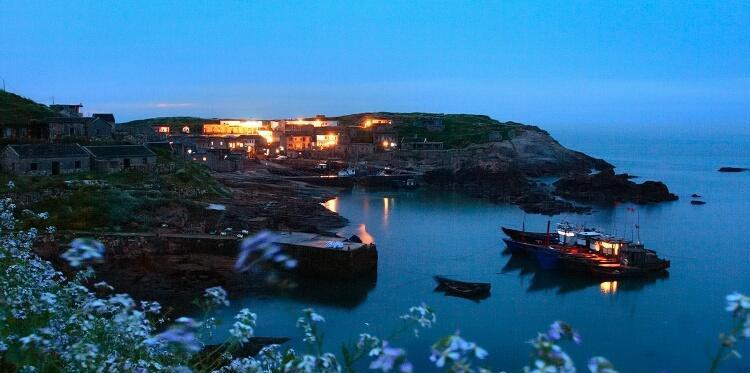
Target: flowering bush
(49,322)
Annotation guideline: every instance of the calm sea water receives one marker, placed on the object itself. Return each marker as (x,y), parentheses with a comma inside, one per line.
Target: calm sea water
(667,324)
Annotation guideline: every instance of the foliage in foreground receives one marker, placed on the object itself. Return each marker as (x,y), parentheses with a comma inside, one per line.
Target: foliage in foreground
(54,323)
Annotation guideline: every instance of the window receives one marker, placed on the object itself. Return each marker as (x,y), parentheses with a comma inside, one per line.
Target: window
(33,166)
(78,164)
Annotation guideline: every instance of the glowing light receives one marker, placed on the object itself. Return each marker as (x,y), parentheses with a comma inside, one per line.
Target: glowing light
(385,143)
(190,151)
(267,135)
(332,205)
(327,141)
(608,287)
(363,234)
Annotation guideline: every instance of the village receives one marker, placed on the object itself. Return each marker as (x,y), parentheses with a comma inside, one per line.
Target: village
(70,142)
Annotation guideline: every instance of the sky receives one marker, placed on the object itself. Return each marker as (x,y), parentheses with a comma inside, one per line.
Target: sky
(572,63)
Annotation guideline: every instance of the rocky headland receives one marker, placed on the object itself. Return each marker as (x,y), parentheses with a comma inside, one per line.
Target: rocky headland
(518,168)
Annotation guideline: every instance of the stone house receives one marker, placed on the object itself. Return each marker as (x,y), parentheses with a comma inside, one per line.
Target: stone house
(111,158)
(79,127)
(107,117)
(45,159)
(99,128)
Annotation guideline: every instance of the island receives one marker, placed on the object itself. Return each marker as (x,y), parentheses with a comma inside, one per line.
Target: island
(186,190)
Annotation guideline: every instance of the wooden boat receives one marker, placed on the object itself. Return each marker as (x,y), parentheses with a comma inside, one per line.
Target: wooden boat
(462,288)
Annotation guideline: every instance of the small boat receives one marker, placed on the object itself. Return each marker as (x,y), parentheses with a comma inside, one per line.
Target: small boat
(697,202)
(462,288)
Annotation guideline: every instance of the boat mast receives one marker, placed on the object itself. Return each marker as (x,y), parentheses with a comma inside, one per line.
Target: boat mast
(546,237)
(638,224)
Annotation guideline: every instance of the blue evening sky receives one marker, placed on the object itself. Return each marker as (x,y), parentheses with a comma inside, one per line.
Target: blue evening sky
(539,62)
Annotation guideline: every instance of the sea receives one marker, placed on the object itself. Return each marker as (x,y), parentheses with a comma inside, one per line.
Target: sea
(665,324)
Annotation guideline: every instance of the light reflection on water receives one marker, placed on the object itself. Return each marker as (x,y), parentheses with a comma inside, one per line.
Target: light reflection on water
(332,205)
(608,287)
(639,325)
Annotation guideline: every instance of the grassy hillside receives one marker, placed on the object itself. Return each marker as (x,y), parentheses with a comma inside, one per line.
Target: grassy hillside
(459,130)
(15,109)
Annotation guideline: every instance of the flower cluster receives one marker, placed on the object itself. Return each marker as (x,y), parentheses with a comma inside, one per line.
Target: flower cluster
(308,323)
(389,359)
(456,353)
(84,251)
(216,296)
(181,336)
(738,305)
(421,315)
(598,364)
(244,326)
(560,330)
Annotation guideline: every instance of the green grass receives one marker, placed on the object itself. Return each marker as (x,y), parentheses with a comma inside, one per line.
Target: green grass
(127,202)
(18,110)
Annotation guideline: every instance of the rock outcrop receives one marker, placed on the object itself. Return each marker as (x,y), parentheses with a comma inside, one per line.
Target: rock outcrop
(607,187)
(732,169)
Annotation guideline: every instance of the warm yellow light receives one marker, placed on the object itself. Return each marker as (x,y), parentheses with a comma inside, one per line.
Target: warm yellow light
(385,143)
(327,141)
(267,135)
(608,287)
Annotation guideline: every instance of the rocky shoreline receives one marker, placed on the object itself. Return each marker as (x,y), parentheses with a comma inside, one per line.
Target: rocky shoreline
(507,172)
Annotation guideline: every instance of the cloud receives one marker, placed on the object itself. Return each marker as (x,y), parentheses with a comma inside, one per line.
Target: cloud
(170,105)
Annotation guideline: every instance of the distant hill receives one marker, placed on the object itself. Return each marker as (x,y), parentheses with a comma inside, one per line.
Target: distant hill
(15,109)
(458,130)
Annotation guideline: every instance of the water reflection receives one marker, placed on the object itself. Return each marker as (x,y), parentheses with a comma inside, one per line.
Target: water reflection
(341,294)
(332,205)
(608,287)
(537,279)
(363,234)
(386,210)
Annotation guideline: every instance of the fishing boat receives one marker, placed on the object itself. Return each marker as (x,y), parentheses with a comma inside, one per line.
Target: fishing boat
(462,288)
(584,250)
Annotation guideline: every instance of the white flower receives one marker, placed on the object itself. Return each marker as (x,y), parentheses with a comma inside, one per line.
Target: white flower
(389,358)
(737,301)
(243,328)
(83,250)
(598,364)
(216,296)
(180,335)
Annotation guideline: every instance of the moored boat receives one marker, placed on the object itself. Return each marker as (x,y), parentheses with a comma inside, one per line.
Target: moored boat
(588,251)
(463,288)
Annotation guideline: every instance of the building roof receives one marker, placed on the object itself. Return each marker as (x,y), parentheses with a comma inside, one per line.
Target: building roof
(30,151)
(81,120)
(116,151)
(107,117)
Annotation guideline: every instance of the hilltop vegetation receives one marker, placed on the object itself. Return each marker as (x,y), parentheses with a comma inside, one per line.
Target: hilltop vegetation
(15,109)
(126,200)
(459,130)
